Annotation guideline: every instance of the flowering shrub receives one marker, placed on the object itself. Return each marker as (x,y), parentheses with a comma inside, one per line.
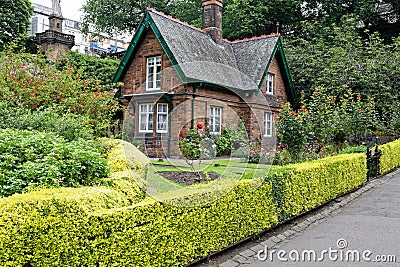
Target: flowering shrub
(31,82)
(256,154)
(323,126)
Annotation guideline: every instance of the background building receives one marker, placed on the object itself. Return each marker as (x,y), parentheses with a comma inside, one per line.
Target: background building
(83,43)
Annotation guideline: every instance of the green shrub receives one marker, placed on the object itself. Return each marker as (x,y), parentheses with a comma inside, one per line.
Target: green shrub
(94,227)
(36,159)
(68,125)
(390,158)
(90,67)
(353,149)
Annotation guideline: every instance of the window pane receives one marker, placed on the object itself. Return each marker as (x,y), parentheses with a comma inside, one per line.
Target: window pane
(150,122)
(162,108)
(143,122)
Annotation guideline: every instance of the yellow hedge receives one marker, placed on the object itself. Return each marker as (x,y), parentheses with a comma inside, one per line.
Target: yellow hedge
(390,158)
(94,227)
(129,167)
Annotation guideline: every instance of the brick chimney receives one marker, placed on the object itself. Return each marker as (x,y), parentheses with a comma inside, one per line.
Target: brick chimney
(212,19)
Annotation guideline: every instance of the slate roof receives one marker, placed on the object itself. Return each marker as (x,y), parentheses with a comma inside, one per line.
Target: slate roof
(239,64)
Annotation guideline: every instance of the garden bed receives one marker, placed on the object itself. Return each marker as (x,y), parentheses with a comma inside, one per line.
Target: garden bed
(189,178)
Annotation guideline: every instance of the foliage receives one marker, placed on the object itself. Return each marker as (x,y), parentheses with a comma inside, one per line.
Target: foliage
(338,58)
(35,159)
(247,18)
(68,125)
(256,154)
(311,184)
(128,166)
(91,226)
(354,149)
(324,125)
(14,20)
(31,82)
(390,158)
(90,67)
(231,139)
(292,130)
(190,145)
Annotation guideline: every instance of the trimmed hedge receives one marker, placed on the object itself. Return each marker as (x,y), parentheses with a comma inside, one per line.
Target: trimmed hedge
(70,229)
(390,158)
(129,168)
(310,184)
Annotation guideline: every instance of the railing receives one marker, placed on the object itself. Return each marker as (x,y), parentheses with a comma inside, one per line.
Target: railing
(373,157)
(49,35)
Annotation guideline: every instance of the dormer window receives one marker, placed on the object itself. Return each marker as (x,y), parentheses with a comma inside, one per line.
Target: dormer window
(270,83)
(153,73)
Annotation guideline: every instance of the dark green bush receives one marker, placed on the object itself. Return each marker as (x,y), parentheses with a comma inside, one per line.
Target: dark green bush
(35,159)
(102,69)
(70,126)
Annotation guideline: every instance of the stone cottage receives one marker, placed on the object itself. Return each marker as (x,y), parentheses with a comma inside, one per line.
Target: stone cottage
(175,76)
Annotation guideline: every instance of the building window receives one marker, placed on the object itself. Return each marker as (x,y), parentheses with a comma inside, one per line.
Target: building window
(215,120)
(162,118)
(267,124)
(146,118)
(153,73)
(270,84)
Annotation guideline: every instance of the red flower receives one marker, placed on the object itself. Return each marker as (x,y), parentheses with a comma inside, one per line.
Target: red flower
(292,113)
(299,118)
(360,111)
(200,126)
(181,134)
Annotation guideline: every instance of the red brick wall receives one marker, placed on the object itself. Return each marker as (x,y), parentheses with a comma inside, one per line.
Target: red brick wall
(233,106)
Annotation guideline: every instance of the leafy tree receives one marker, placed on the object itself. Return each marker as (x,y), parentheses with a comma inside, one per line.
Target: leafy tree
(375,15)
(247,18)
(338,58)
(102,69)
(14,19)
(116,16)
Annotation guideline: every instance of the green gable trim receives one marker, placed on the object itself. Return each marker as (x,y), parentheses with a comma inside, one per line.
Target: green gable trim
(131,49)
(145,24)
(279,47)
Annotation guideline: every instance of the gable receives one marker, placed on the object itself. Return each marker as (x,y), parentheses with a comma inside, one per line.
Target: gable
(197,58)
(134,79)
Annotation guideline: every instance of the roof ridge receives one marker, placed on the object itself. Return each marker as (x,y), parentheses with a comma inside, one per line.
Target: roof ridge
(174,19)
(264,36)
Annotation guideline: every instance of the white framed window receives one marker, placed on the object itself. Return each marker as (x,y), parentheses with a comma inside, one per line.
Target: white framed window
(270,83)
(267,124)
(153,73)
(146,118)
(162,118)
(215,120)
